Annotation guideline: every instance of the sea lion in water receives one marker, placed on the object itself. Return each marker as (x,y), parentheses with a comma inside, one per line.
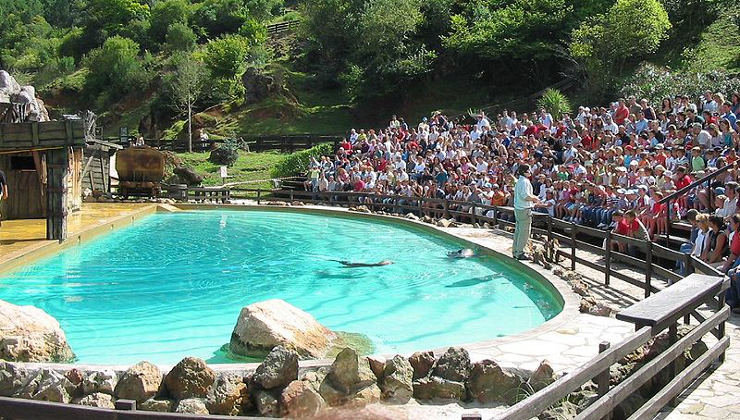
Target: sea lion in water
(461,253)
(350,264)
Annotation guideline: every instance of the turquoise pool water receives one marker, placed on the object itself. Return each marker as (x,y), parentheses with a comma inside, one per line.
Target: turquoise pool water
(172,285)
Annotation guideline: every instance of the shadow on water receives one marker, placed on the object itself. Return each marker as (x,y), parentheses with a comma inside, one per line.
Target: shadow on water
(471,282)
(345,275)
(224,355)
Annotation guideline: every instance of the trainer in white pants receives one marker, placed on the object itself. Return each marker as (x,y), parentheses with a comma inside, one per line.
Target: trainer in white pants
(524,201)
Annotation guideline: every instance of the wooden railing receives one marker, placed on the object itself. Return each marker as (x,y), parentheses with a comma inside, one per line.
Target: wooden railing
(651,316)
(287,143)
(280,28)
(649,257)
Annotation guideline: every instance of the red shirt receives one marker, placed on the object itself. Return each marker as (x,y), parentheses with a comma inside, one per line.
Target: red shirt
(683,182)
(623,228)
(622,114)
(735,244)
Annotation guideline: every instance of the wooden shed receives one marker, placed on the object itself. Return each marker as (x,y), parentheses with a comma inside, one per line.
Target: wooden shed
(43,164)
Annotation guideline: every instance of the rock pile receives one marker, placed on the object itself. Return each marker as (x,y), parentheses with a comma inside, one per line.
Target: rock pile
(12,92)
(589,304)
(277,388)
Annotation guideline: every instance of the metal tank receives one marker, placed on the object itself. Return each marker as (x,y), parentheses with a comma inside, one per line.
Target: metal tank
(140,171)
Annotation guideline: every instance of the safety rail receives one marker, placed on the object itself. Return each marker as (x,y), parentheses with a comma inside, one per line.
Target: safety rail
(651,317)
(280,28)
(644,255)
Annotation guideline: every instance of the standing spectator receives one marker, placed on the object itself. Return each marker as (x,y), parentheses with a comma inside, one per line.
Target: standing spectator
(524,201)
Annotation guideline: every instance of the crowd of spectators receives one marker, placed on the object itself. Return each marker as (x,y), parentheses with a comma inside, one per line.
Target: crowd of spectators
(605,167)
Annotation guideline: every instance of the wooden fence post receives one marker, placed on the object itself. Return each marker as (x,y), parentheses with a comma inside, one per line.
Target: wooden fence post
(447,209)
(608,265)
(549,230)
(648,267)
(573,250)
(258,196)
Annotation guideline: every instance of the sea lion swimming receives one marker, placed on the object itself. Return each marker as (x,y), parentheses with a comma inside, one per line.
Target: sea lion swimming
(461,253)
(349,264)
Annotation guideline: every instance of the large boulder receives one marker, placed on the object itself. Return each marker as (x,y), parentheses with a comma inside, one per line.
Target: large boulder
(301,399)
(543,376)
(350,372)
(279,368)
(190,378)
(422,362)
(226,395)
(397,380)
(265,325)
(97,399)
(436,388)
(140,382)
(489,383)
(28,334)
(454,365)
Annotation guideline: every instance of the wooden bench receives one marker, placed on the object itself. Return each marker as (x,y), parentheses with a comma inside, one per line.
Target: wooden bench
(212,194)
(661,310)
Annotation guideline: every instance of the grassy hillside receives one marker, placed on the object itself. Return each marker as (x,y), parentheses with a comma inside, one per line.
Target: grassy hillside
(249,167)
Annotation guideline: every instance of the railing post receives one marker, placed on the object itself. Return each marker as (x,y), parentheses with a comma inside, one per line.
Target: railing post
(495,219)
(447,209)
(421,206)
(602,379)
(672,338)
(291,196)
(472,214)
(125,405)
(668,224)
(608,257)
(573,250)
(648,267)
(549,230)
(259,191)
(721,326)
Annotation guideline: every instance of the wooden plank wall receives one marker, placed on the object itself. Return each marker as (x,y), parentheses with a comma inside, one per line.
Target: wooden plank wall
(38,135)
(24,191)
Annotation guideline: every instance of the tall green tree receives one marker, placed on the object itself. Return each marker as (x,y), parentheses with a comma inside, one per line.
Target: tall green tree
(628,32)
(185,86)
(115,69)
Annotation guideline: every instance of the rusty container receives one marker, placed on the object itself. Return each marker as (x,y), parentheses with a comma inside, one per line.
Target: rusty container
(140,164)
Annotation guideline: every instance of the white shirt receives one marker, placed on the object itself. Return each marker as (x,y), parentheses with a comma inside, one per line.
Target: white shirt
(522,193)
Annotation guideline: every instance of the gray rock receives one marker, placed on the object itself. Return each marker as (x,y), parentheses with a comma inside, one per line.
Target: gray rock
(54,387)
(350,372)
(97,399)
(31,335)
(279,368)
(301,399)
(422,362)
(157,405)
(367,395)
(397,380)
(566,410)
(191,406)
(454,365)
(13,378)
(436,388)
(267,404)
(190,378)
(100,381)
(226,395)
(543,376)
(140,382)
(377,366)
(489,383)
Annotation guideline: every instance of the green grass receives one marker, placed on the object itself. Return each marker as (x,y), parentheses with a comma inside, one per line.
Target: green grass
(718,47)
(249,167)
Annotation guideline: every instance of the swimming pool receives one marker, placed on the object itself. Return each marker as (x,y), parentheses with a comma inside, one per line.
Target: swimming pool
(172,285)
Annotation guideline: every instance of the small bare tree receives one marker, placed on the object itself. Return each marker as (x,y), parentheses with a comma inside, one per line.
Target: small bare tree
(185,86)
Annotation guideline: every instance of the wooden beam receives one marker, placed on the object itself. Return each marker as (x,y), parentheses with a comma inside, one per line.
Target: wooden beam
(57,164)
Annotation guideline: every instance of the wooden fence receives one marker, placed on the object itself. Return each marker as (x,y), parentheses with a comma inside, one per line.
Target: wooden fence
(281,28)
(288,143)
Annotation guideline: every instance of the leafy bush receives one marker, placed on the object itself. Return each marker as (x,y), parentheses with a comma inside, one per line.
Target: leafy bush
(554,102)
(226,57)
(297,162)
(180,38)
(655,83)
(164,15)
(115,68)
(226,154)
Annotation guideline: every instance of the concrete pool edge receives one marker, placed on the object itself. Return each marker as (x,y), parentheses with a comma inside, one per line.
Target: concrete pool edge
(559,288)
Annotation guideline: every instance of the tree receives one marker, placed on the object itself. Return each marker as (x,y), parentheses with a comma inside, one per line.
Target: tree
(115,68)
(226,57)
(185,86)
(180,37)
(604,44)
(164,15)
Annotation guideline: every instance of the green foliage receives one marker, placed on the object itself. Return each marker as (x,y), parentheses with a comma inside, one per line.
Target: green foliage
(226,57)
(554,102)
(164,15)
(297,162)
(113,15)
(718,46)
(226,154)
(115,69)
(656,83)
(219,17)
(180,38)
(629,31)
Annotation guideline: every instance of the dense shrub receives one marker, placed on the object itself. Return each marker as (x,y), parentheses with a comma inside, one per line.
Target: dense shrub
(115,68)
(226,154)
(180,38)
(297,162)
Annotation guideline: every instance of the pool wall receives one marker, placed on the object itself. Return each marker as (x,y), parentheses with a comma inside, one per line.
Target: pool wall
(557,288)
